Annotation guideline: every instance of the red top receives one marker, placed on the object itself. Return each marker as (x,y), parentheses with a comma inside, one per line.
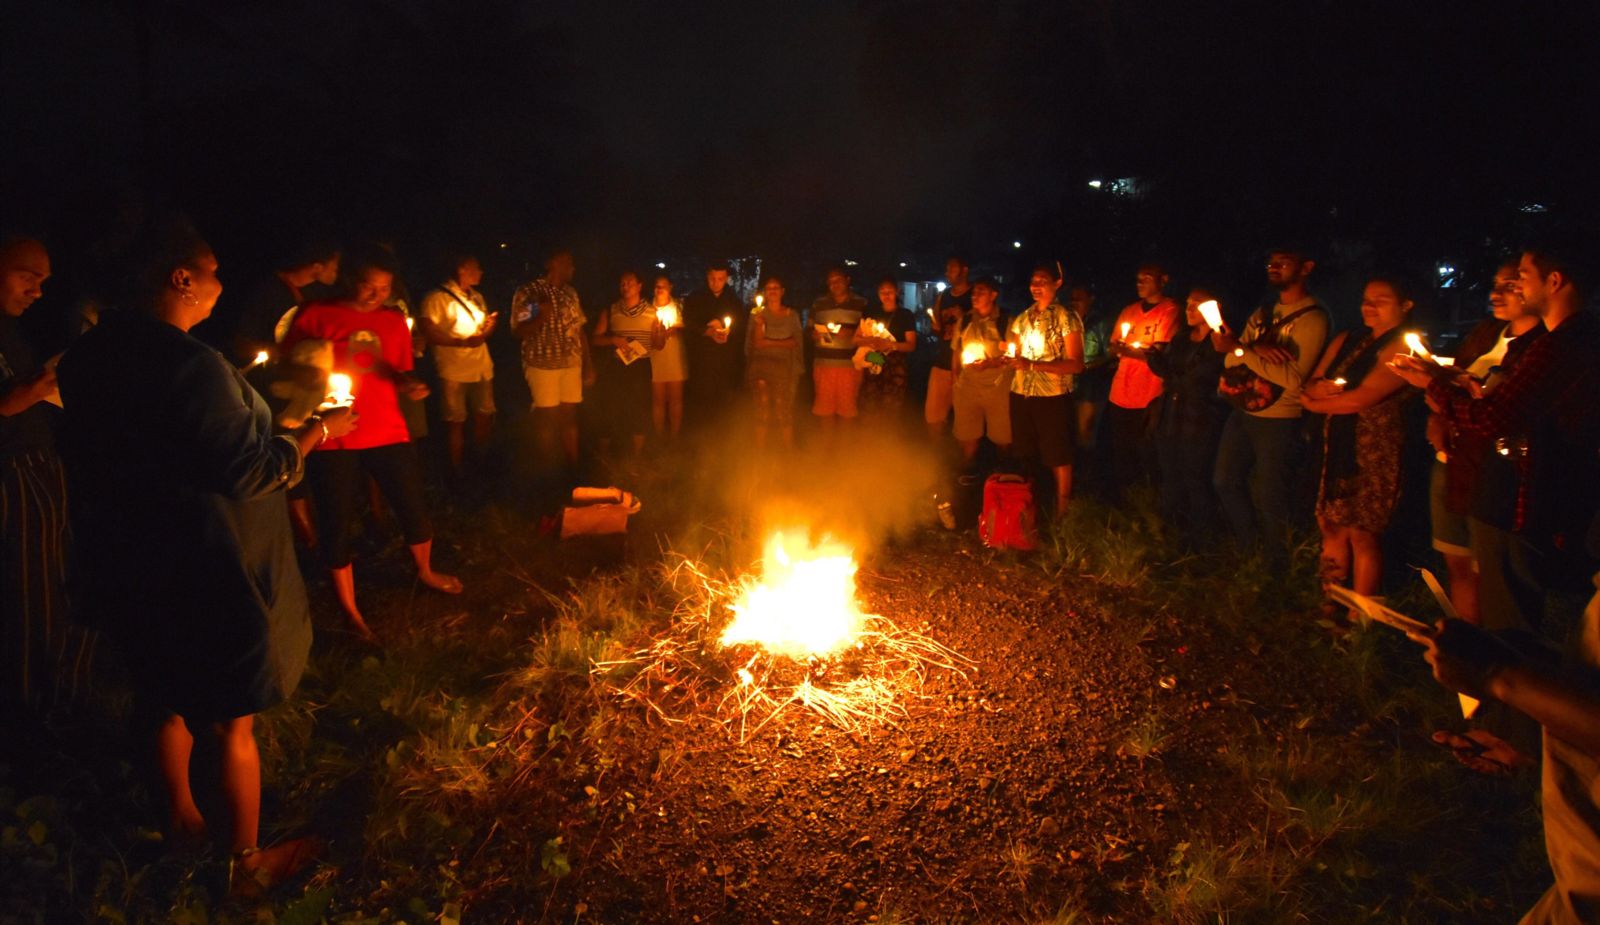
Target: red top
(1135,386)
(372,348)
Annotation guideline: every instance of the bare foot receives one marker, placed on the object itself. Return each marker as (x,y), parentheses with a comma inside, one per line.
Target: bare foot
(438,581)
(186,832)
(362,631)
(256,871)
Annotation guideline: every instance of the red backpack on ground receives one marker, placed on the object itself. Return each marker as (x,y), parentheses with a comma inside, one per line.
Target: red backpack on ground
(1008,520)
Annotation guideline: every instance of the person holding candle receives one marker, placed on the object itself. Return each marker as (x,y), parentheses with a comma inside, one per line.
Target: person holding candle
(982,393)
(773,372)
(1362,435)
(1045,352)
(183,548)
(668,366)
(1539,484)
(456,320)
(949,312)
(894,336)
(372,345)
(1487,350)
(834,319)
(1189,419)
(629,330)
(1143,324)
(1261,440)
(714,322)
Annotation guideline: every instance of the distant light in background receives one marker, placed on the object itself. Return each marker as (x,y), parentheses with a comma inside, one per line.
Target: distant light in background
(502,246)
(661,265)
(1533,207)
(1449,275)
(1017,245)
(902,264)
(850,263)
(939,286)
(1096,184)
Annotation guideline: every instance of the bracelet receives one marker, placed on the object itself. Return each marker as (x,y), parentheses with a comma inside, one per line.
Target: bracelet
(317,420)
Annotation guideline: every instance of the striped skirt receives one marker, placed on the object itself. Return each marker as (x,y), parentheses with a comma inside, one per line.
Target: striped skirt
(46,659)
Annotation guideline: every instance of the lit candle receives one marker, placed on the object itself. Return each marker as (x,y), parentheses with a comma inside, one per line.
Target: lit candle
(1011,349)
(1339,381)
(1212,313)
(1238,351)
(727,322)
(760,300)
(973,352)
(834,327)
(1444,361)
(1126,327)
(339,390)
(667,315)
(261,357)
(411,323)
(1033,345)
(1418,348)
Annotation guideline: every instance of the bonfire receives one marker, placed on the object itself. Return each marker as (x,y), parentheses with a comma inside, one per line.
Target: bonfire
(742,649)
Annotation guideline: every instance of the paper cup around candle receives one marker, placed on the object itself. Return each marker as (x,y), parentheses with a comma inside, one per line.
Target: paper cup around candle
(1212,313)
(339,390)
(1126,327)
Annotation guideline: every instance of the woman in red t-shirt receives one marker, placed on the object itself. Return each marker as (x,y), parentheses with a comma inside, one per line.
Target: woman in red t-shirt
(372,345)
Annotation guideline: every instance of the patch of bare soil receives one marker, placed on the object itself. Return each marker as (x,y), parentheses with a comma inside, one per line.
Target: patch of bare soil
(1063,769)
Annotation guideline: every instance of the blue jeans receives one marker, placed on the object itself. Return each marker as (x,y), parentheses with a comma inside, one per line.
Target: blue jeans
(1254,464)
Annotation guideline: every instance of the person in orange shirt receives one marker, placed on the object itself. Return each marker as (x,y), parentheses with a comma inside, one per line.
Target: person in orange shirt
(1150,321)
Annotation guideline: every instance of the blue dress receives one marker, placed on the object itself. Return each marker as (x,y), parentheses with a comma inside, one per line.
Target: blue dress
(183,549)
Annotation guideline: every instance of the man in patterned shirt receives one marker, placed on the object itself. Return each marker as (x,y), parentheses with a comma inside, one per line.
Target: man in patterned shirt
(547,318)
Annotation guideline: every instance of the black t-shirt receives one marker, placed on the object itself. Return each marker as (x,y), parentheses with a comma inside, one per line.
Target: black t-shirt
(29,430)
(945,329)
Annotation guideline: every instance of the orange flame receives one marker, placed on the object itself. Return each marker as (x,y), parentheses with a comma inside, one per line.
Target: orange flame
(803,605)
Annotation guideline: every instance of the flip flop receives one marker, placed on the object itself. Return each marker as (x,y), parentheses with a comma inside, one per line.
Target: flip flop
(1473,755)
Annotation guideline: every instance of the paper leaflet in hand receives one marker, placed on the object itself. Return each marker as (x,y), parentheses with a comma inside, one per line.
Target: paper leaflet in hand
(631,351)
(1469,705)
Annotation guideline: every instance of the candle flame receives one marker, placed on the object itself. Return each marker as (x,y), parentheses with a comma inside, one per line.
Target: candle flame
(1011,349)
(339,389)
(667,315)
(411,323)
(760,301)
(973,352)
(727,322)
(1212,313)
(1238,351)
(1033,345)
(1126,327)
(834,327)
(1414,341)
(1340,381)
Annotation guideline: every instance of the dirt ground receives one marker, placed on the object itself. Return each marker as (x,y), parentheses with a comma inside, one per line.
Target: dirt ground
(1000,795)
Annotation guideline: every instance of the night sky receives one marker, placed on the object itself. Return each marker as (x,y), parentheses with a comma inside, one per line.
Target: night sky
(811,131)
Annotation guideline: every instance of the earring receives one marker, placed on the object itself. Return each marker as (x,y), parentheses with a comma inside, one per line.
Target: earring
(189,297)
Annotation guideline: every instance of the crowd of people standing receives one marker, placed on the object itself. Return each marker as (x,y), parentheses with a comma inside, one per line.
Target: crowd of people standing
(307,404)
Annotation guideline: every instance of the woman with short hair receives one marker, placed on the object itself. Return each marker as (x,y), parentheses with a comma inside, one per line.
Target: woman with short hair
(669,367)
(184,554)
(372,345)
(773,372)
(626,332)
(1045,351)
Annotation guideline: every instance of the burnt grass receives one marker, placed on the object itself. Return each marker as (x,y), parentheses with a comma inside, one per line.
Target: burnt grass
(1143,736)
